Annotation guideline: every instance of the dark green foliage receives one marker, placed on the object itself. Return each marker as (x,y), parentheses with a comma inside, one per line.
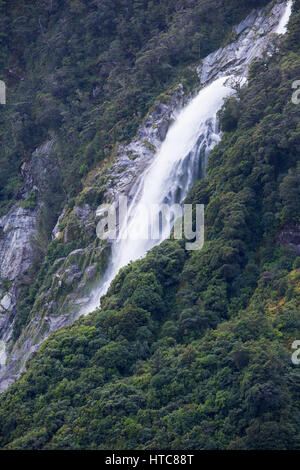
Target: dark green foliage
(191,350)
(31,201)
(290,196)
(229,115)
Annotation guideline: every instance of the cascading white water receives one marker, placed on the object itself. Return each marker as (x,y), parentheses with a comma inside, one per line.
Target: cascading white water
(282,27)
(176,166)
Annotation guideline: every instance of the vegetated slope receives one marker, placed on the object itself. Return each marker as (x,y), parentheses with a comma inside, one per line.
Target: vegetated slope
(192,350)
(83,74)
(87,71)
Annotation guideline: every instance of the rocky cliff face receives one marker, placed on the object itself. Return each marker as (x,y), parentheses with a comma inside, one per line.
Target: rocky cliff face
(19,225)
(72,276)
(17,228)
(256,32)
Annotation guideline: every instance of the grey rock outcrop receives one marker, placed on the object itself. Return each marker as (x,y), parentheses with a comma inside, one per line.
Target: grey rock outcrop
(40,168)
(256,36)
(17,228)
(290,237)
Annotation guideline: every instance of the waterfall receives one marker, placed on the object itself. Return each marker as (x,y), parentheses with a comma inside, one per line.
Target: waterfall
(177,165)
(179,162)
(162,178)
(282,27)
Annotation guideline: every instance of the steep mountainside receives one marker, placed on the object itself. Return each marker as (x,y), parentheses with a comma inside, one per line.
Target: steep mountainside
(190,350)
(81,77)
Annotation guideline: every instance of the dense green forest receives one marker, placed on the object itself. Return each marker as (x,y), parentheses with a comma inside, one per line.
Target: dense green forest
(191,350)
